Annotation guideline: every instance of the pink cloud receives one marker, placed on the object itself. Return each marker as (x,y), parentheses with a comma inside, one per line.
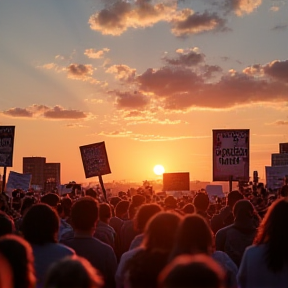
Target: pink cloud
(18,112)
(58,112)
(80,71)
(276,69)
(42,111)
(122,72)
(241,7)
(121,15)
(96,54)
(167,81)
(129,100)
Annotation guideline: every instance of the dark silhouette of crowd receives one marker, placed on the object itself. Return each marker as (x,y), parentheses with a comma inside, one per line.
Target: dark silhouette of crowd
(144,240)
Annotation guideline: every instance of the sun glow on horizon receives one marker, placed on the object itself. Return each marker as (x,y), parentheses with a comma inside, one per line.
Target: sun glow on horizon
(158,170)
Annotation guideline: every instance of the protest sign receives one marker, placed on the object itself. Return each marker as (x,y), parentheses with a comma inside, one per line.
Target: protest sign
(6,145)
(95,160)
(231,155)
(214,191)
(178,181)
(18,181)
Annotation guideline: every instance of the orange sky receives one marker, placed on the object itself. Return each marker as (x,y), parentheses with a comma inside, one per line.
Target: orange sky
(151,78)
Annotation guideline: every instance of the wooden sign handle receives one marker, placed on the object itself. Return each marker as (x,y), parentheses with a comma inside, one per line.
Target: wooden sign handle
(103,188)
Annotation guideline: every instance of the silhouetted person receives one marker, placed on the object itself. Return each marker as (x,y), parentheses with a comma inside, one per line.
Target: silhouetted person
(84,217)
(73,272)
(197,271)
(265,264)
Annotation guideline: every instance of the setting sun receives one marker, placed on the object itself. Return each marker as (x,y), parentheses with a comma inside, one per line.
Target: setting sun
(159,170)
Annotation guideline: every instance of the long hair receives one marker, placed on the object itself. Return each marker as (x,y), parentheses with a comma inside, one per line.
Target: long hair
(160,231)
(19,255)
(273,233)
(193,236)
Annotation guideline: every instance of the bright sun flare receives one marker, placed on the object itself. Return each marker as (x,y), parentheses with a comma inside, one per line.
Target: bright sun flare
(158,169)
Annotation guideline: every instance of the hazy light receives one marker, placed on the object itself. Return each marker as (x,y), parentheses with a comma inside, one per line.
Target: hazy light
(158,169)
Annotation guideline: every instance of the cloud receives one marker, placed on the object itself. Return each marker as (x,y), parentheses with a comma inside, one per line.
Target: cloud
(183,89)
(75,125)
(282,27)
(18,112)
(80,71)
(41,111)
(209,70)
(58,112)
(136,117)
(122,72)
(186,58)
(121,15)
(276,69)
(95,54)
(241,7)
(186,22)
(129,100)
(275,8)
(280,123)
(148,137)
(167,81)
(74,71)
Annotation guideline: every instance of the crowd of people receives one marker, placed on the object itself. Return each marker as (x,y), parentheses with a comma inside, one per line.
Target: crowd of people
(144,240)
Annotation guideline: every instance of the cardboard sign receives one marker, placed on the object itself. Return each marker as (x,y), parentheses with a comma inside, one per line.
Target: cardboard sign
(6,145)
(179,181)
(95,160)
(231,155)
(18,181)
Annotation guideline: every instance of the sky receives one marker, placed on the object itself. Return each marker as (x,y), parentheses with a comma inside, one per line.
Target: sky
(151,79)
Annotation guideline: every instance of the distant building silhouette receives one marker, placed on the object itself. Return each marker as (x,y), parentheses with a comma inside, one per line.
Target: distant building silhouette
(45,175)
(278,170)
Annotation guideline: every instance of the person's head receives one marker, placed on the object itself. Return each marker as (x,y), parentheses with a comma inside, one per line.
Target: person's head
(27,202)
(84,214)
(137,200)
(91,192)
(19,255)
(121,209)
(233,197)
(170,202)
(40,224)
(6,274)
(160,231)
(50,199)
(273,232)
(3,202)
(104,212)
(114,200)
(144,213)
(243,210)
(193,236)
(193,271)
(201,202)
(64,207)
(6,224)
(73,272)
(284,191)
(188,209)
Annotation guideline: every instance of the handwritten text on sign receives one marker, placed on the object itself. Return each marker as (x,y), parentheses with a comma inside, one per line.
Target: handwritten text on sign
(95,160)
(6,145)
(230,155)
